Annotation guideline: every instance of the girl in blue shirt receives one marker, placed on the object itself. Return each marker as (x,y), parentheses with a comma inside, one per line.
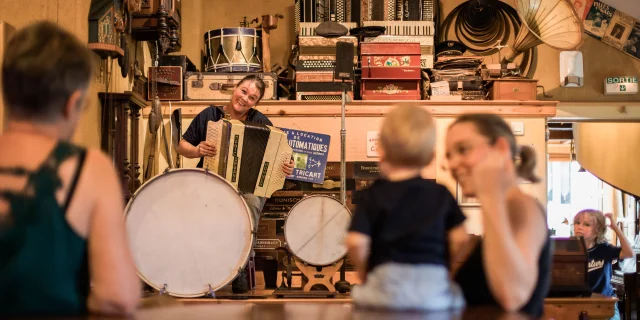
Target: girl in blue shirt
(591,225)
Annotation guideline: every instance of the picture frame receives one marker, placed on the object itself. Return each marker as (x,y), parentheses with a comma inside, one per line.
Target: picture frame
(464,201)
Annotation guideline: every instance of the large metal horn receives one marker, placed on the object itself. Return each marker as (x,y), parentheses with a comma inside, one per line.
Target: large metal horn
(553,22)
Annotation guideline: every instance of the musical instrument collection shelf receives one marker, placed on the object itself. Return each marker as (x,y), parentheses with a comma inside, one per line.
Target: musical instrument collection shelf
(375,108)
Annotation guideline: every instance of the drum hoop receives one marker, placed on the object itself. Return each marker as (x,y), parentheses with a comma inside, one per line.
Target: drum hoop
(248,211)
(287,220)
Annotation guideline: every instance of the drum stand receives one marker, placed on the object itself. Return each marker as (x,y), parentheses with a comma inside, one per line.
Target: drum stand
(343,286)
(310,277)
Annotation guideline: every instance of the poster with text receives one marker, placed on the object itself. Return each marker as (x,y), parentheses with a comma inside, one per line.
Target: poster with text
(598,19)
(632,46)
(310,153)
(619,30)
(582,7)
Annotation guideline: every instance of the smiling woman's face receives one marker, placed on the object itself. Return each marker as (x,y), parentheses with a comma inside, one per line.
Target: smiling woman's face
(245,97)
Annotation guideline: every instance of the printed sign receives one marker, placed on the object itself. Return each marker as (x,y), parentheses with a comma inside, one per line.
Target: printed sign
(267,244)
(310,153)
(621,85)
(372,143)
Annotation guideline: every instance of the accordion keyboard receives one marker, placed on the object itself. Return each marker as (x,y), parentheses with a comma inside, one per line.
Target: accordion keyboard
(309,28)
(404,28)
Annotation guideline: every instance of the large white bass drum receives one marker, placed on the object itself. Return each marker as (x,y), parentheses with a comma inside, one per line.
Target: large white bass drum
(316,228)
(190,232)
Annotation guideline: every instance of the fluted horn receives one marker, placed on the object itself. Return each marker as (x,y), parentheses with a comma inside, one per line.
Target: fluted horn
(553,22)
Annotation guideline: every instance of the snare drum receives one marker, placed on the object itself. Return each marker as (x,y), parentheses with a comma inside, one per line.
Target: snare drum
(315,230)
(190,232)
(233,50)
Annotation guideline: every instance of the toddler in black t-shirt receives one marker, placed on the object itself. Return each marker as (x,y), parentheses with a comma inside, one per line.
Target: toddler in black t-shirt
(405,228)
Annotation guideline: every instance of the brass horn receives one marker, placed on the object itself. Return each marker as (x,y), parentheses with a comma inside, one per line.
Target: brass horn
(553,22)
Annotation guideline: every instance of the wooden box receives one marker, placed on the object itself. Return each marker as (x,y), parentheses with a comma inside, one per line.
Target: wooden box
(569,268)
(513,89)
(386,60)
(390,89)
(169,83)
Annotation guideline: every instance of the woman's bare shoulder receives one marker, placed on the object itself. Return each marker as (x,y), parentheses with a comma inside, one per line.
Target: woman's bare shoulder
(526,211)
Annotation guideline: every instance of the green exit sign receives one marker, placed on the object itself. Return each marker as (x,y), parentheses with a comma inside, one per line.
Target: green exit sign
(621,85)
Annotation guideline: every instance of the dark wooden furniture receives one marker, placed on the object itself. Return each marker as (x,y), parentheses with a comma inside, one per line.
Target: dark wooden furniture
(119,135)
(158,20)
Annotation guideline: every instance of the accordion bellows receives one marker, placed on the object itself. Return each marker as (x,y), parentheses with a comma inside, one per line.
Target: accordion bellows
(249,155)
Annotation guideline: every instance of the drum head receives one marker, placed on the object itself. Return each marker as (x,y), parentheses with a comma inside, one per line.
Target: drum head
(188,229)
(315,230)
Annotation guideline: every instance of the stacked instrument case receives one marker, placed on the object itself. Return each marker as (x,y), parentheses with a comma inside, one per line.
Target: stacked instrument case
(315,68)
(427,49)
(201,86)
(390,71)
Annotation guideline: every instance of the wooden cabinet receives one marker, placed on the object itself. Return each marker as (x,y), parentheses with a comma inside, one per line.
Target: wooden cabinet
(119,135)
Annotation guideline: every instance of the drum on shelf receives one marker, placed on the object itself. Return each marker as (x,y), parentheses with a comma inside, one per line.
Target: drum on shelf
(190,232)
(233,50)
(315,230)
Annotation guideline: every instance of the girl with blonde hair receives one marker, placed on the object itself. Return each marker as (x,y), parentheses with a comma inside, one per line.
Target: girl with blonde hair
(591,225)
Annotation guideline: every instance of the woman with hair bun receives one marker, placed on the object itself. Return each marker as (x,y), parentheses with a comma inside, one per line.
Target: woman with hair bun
(509,266)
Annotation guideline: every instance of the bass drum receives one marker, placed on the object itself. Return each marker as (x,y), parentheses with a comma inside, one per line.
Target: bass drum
(316,228)
(190,232)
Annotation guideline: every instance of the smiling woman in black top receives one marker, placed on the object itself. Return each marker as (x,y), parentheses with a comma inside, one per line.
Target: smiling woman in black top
(510,266)
(193,144)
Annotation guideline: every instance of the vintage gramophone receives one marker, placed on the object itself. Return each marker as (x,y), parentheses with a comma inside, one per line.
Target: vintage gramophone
(552,22)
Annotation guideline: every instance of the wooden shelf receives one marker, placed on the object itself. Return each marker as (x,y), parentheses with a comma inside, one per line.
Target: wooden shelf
(370,108)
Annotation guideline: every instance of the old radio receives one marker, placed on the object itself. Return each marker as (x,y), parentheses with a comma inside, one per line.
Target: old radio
(569,268)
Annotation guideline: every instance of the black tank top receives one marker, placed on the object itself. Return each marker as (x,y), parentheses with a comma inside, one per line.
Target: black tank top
(474,284)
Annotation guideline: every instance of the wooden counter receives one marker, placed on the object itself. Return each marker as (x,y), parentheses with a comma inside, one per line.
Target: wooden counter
(375,108)
(596,307)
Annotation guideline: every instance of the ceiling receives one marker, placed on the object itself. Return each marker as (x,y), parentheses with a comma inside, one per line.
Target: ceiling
(630,7)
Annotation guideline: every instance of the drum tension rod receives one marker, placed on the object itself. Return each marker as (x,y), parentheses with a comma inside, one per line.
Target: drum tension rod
(164,289)
(211,293)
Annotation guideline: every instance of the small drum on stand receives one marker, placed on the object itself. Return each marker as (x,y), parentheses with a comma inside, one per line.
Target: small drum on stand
(233,50)
(315,231)
(190,232)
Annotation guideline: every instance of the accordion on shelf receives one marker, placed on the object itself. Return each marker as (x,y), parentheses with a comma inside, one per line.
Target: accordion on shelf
(249,155)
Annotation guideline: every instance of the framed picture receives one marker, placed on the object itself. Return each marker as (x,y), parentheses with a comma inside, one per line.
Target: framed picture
(465,201)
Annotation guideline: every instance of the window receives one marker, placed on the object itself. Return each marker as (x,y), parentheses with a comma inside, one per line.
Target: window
(570,190)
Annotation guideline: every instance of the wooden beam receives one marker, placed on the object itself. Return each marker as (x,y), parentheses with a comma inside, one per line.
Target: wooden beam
(289,108)
(598,111)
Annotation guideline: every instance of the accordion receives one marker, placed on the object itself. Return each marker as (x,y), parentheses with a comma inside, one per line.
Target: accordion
(248,155)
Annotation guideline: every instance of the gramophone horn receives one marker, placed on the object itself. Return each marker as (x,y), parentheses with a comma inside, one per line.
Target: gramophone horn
(553,22)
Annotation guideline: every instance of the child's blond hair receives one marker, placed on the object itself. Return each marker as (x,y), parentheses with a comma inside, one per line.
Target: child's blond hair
(408,137)
(598,220)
